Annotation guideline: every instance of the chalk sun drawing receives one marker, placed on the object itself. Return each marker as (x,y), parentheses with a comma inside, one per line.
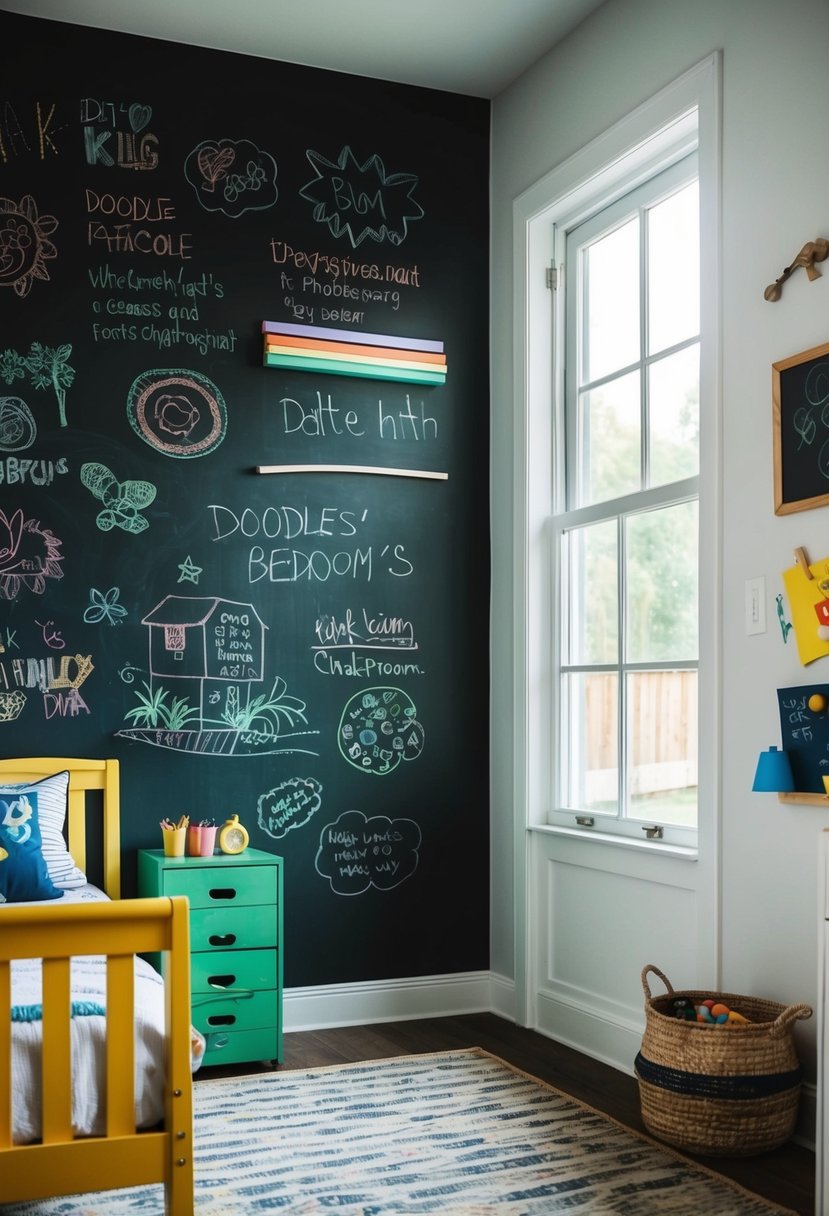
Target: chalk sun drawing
(361,201)
(29,555)
(24,244)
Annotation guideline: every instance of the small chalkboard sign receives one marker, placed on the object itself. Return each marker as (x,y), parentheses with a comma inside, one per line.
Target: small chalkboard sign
(805,735)
(800,413)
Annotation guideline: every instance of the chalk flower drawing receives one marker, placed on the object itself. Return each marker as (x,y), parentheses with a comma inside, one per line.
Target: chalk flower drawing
(24,244)
(104,606)
(29,555)
(361,200)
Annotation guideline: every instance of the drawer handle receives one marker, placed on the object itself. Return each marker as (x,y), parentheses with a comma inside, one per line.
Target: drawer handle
(221,981)
(221,1019)
(223,892)
(233,996)
(216,1041)
(222,939)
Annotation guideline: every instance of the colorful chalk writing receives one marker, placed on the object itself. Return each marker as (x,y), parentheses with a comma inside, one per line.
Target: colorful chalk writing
(18,429)
(25,246)
(123,500)
(177,412)
(378,729)
(48,367)
(42,129)
(29,555)
(212,651)
(291,804)
(361,200)
(115,135)
(356,853)
(57,680)
(104,606)
(232,176)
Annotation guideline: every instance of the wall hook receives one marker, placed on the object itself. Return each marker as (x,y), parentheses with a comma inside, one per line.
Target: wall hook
(812,251)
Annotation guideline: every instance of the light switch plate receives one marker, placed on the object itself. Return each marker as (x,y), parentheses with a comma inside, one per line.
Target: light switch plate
(755,605)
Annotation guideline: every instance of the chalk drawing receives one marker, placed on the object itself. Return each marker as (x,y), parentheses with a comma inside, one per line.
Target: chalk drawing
(24,244)
(378,729)
(189,573)
(18,429)
(232,176)
(104,606)
(29,555)
(48,367)
(123,500)
(178,412)
(361,200)
(291,804)
(356,853)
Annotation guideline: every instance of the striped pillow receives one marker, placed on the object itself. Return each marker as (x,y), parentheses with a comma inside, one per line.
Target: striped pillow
(52,796)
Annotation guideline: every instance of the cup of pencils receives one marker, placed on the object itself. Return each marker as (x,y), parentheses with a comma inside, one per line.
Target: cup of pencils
(174,836)
(201,838)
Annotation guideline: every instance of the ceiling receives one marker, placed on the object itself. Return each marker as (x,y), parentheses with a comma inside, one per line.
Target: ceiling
(464,46)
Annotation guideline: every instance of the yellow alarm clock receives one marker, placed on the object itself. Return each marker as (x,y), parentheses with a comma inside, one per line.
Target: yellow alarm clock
(233,836)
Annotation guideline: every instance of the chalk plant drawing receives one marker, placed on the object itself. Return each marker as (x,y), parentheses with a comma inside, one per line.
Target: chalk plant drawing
(29,555)
(104,606)
(48,367)
(361,201)
(25,246)
(123,500)
(206,657)
(178,412)
(18,429)
(356,853)
(232,176)
(378,729)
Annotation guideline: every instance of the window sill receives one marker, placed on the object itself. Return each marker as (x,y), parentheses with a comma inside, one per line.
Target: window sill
(657,847)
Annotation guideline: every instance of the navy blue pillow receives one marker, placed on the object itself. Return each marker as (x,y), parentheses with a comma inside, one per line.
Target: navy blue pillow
(23,873)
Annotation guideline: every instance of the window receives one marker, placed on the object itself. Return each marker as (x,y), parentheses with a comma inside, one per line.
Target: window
(626,513)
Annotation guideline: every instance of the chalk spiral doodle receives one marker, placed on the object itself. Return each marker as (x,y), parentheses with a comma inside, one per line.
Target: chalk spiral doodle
(378,729)
(361,200)
(177,412)
(18,429)
(123,500)
(24,244)
(232,176)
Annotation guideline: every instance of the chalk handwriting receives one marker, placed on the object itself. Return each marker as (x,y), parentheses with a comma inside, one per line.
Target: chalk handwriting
(291,804)
(123,500)
(364,629)
(51,636)
(18,429)
(132,147)
(29,555)
(232,176)
(180,413)
(356,853)
(44,128)
(361,201)
(320,417)
(48,367)
(25,244)
(379,729)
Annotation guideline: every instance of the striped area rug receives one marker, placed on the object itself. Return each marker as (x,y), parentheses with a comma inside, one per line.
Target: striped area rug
(458,1133)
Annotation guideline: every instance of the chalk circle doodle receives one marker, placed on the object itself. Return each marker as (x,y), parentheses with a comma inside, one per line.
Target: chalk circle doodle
(356,853)
(123,500)
(18,429)
(232,176)
(361,200)
(24,244)
(180,413)
(290,805)
(11,705)
(29,555)
(378,729)
(104,606)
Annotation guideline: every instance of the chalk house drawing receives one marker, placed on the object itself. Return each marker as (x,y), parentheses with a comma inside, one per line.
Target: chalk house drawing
(206,657)
(24,244)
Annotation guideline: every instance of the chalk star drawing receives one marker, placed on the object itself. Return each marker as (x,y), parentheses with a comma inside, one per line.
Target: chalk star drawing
(189,572)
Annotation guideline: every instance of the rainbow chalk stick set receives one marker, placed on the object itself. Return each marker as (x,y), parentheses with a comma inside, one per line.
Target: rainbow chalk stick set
(340,352)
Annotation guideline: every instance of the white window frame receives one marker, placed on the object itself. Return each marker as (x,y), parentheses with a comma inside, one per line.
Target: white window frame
(681,117)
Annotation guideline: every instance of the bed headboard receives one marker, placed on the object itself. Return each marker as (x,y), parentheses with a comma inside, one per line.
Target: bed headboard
(84,775)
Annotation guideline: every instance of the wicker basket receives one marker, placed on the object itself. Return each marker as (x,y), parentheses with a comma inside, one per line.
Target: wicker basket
(730,1090)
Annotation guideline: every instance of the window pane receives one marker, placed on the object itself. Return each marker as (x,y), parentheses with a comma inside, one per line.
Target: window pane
(611,440)
(662,733)
(673,269)
(590,741)
(661,583)
(612,301)
(591,579)
(674,417)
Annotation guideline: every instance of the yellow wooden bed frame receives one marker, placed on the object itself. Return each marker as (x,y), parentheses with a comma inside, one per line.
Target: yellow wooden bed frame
(61,1163)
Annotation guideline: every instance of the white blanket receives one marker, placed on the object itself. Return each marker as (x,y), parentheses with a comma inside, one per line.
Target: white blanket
(88,1036)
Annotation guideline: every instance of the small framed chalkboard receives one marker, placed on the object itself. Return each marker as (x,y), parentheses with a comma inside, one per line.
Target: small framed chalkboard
(800,414)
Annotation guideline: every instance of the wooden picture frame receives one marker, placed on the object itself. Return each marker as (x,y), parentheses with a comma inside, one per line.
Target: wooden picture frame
(800,420)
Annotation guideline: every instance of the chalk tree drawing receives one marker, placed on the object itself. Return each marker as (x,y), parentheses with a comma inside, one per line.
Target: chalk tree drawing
(180,413)
(206,654)
(29,555)
(24,244)
(378,729)
(48,367)
(104,606)
(123,500)
(356,853)
(361,200)
(291,804)
(18,429)
(232,176)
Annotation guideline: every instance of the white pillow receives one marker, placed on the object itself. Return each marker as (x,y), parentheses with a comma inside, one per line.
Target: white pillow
(51,795)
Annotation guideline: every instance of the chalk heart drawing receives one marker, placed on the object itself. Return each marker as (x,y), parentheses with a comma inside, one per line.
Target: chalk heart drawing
(232,176)
(25,246)
(361,201)
(356,853)
(139,116)
(378,729)
(180,413)
(123,500)
(18,429)
(290,805)
(29,555)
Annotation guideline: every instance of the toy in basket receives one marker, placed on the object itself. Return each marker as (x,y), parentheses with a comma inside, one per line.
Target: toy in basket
(729,1089)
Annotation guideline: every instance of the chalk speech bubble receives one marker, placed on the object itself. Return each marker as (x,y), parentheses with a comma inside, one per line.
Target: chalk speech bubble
(290,805)
(356,853)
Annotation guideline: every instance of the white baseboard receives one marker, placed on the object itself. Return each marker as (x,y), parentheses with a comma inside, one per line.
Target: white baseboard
(423,996)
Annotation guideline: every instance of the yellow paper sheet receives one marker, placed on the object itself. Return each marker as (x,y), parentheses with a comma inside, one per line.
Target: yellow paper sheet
(803,595)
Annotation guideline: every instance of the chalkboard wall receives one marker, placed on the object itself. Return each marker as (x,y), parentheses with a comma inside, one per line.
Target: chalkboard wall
(307,649)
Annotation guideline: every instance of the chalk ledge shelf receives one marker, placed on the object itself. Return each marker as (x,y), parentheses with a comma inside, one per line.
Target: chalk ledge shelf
(805,799)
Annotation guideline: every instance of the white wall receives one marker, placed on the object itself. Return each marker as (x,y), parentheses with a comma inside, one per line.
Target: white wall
(775,198)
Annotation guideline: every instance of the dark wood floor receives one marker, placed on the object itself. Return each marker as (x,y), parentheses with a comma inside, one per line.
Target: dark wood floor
(786,1176)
